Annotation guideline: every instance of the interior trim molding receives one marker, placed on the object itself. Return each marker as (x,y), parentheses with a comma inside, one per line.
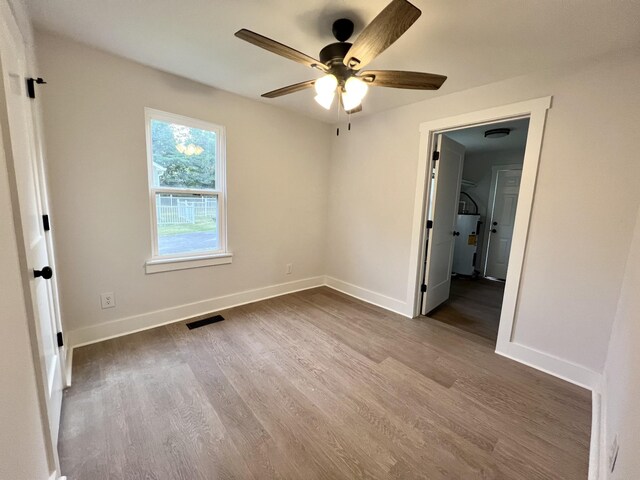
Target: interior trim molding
(68,366)
(144,321)
(558,367)
(369,296)
(596,447)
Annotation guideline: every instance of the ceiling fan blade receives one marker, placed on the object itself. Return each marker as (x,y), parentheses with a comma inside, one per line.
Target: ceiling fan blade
(386,28)
(400,79)
(289,89)
(279,49)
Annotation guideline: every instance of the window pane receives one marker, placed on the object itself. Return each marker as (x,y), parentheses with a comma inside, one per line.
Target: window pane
(186,223)
(183,157)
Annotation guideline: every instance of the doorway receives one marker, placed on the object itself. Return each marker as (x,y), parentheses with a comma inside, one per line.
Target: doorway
(430,132)
(475,188)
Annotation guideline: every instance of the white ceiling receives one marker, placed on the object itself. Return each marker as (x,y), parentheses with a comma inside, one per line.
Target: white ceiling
(475,142)
(473,42)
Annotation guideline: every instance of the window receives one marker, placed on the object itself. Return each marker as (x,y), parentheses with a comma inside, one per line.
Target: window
(186,163)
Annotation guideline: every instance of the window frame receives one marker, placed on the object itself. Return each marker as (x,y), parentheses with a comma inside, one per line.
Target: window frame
(159,262)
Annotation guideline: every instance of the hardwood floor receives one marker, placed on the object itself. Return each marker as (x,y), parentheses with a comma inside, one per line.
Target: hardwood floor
(474,306)
(317,385)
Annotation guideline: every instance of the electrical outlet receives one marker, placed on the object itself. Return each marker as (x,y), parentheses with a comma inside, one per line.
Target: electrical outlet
(108,300)
(289,268)
(613,454)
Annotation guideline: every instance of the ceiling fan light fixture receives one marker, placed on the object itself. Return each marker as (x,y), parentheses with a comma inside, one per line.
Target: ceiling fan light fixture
(350,100)
(325,100)
(356,87)
(326,85)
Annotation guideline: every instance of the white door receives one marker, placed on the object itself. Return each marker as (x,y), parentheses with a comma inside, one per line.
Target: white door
(503,203)
(443,214)
(27,171)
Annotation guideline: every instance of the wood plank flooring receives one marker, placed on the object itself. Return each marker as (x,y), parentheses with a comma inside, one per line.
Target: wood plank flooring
(474,305)
(317,385)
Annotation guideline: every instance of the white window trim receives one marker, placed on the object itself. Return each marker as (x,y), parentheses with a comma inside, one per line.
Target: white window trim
(163,263)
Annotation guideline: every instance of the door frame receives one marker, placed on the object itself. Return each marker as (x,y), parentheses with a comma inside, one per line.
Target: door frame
(11,25)
(536,111)
(492,194)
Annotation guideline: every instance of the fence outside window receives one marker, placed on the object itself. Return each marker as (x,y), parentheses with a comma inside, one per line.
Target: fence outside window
(174,210)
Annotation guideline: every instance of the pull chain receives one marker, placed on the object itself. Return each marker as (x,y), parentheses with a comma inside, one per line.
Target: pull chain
(338,119)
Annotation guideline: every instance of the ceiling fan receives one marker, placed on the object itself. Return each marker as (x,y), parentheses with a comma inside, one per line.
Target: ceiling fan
(341,62)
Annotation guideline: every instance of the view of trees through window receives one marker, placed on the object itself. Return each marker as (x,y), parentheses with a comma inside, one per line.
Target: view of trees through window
(184,158)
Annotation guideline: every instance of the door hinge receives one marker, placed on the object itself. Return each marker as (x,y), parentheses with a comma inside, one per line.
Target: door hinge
(436,156)
(60,340)
(423,288)
(45,223)
(31,86)
(429,224)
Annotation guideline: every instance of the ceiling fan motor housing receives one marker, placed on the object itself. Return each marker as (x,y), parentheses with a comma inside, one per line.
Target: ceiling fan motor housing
(342,29)
(334,52)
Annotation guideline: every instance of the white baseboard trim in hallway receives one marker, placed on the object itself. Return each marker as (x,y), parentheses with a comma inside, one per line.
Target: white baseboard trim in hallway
(136,323)
(369,296)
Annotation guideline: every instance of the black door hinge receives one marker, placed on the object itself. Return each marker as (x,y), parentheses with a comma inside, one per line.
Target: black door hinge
(436,156)
(423,288)
(429,223)
(45,223)
(60,340)
(31,86)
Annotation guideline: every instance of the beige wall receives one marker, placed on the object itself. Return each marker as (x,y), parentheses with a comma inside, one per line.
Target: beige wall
(575,256)
(621,386)
(93,107)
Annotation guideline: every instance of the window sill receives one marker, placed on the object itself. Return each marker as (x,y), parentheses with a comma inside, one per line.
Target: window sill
(169,264)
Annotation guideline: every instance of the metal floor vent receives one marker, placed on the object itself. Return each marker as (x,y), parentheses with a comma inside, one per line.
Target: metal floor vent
(204,321)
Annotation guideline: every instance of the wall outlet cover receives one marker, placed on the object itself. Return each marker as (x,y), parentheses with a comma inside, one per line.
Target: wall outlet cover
(107,300)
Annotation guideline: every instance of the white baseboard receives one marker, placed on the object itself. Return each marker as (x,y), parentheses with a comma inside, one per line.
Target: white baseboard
(145,321)
(597,438)
(68,366)
(378,299)
(558,367)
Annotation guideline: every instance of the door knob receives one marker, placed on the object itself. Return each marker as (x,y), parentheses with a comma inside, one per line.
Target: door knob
(493,230)
(45,273)
(456,234)
(495,223)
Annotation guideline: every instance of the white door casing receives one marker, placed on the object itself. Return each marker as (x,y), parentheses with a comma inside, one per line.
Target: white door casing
(28,177)
(443,212)
(503,201)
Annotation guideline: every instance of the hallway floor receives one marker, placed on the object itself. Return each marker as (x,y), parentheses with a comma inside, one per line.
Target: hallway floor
(474,306)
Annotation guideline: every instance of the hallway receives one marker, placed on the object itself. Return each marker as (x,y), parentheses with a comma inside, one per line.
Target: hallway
(474,306)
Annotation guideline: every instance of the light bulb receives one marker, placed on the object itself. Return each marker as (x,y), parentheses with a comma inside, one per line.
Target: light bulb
(350,101)
(356,87)
(326,85)
(325,99)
